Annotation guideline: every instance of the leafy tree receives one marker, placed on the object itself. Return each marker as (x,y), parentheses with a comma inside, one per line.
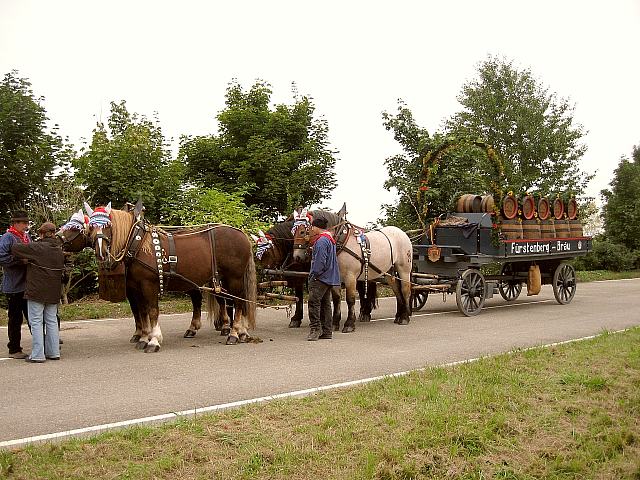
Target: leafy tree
(29,149)
(129,159)
(199,205)
(279,158)
(621,211)
(462,168)
(532,129)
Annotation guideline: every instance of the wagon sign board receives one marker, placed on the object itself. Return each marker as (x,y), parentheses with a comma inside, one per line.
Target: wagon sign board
(545,247)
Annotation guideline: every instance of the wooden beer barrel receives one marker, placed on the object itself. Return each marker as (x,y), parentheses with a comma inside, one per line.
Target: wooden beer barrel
(531,229)
(487,204)
(562,228)
(547,229)
(469,203)
(511,229)
(544,209)
(528,207)
(558,208)
(509,207)
(572,209)
(575,228)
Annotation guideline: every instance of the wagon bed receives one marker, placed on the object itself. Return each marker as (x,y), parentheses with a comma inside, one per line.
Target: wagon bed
(449,258)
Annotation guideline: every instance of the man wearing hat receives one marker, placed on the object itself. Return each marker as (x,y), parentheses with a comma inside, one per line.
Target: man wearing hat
(14,279)
(323,276)
(44,281)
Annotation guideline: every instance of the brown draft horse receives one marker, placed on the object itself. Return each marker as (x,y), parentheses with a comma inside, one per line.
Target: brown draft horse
(74,236)
(218,255)
(275,250)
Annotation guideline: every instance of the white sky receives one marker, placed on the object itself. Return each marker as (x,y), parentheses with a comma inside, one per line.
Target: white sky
(355,58)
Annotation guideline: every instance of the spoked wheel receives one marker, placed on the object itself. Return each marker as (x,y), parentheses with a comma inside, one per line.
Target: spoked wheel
(564,283)
(418,299)
(470,292)
(509,289)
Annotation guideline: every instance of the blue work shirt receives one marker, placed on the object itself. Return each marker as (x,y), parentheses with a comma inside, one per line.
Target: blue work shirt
(324,262)
(14,271)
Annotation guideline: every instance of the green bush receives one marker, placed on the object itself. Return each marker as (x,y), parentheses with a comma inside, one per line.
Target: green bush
(607,255)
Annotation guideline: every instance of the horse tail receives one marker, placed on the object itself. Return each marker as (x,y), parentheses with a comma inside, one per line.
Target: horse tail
(250,291)
(213,307)
(372,293)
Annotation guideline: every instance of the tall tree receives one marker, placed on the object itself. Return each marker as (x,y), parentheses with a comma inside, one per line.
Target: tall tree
(462,168)
(127,160)
(621,211)
(532,129)
(29,149)
(279,157)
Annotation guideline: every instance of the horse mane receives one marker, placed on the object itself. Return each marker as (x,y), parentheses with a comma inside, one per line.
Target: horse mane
(121,223)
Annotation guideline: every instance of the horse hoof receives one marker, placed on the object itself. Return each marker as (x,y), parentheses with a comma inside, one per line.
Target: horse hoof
(403,321)
(151,348)
(141,345)
(365,317)
(396,320)
(244,338)
(232,340)
(225,331)
(295,323)
(134,339)
(189,334)
(336,327)
(348,329)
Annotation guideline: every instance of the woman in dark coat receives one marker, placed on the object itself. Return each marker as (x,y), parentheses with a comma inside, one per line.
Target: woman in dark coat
(44,281)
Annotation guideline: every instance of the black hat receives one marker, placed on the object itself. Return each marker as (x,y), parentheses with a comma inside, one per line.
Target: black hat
(19,216)
(320,222)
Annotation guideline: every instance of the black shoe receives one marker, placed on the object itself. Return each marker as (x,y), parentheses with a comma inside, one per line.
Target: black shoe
(313,335)
(53,358)
(325,336)
(34,360)
(60,342)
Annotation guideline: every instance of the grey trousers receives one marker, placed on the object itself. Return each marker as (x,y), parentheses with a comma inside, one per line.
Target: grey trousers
(320,316)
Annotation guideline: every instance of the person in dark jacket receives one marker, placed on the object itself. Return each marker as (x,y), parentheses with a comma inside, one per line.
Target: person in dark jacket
(323,276)
(14,280)
(44,281)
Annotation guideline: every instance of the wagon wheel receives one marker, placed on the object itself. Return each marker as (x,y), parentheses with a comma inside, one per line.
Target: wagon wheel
(470,292)
(509,289)
(418,299)
(564,283)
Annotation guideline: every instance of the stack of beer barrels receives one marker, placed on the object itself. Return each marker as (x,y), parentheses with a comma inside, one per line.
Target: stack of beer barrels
(527,216)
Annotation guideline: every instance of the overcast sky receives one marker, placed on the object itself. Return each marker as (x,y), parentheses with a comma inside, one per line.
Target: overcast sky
(355,59)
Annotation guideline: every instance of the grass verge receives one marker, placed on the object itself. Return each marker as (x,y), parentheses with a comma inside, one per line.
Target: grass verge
(571,411)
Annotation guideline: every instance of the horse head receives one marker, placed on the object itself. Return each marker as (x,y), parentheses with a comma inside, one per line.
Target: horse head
(74,234)
(100,231)
(302,232)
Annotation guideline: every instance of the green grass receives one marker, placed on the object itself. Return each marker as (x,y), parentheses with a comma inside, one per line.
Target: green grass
(593,275)
(567,412)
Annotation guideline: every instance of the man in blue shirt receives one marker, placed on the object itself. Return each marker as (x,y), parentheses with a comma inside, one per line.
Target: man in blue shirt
(323,276)
(14,278)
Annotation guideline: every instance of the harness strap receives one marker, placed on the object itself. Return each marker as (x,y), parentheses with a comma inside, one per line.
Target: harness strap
(157,252)
(214,268)
(172,259)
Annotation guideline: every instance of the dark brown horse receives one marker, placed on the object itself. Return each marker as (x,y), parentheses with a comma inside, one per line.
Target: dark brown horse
(275,251)
(219,256)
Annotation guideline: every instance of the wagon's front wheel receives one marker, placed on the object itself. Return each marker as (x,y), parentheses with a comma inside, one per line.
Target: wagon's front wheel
(470,292)
(564,283)
(418,299)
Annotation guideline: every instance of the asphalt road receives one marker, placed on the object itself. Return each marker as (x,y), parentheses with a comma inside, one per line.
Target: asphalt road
(102,379)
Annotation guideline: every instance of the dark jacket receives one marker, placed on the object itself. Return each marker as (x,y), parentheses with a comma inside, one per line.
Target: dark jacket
(44,271)
(324,262)
(14,271)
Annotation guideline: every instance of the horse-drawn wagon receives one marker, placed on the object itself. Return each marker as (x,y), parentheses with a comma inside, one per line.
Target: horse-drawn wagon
(449,257)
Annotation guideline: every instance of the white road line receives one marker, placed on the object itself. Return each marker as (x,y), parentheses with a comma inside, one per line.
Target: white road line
(225,406)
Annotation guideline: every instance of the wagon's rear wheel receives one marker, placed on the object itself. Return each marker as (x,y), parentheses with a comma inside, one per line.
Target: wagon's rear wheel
(470,292)
(418,299)
(509,289)
(564,283)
